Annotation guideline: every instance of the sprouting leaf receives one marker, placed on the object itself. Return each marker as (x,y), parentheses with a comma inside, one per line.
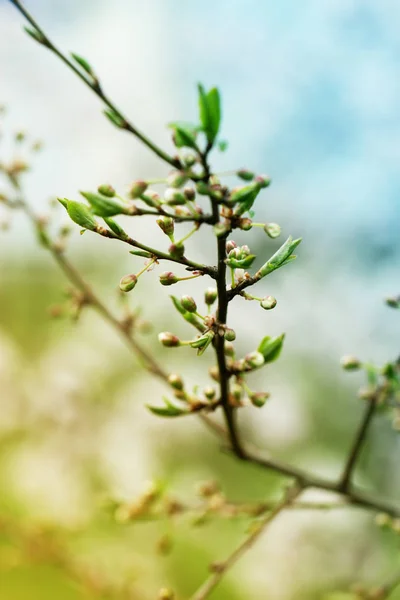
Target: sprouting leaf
(115,118)
(203,342)
(184,134)
(115,227)
(210,112)
(243,263)
(280,258)
(103,206)
(81,215)
(83,63)
(270,348)
(169,410)
(244,197)
(36,35)
(142,253)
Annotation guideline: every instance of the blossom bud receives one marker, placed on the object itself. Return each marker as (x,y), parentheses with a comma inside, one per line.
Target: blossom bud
(210,296)
(168,278)
(236,392)
(189,160)
(214,372)
(230,245)
(268,302)
(176,179)
(210,393)
(229,348)
(245,224)
(176,250)
(254,360)
(168,339)
(393,302)
(106,190)
(263,180)
(151,198)
(230,335)
(189,193)
(188,304)
(166,224)
(202,188)
(127,283)
(174,197)
(273,230)
(175,381)
(137,189)
(350,363)
(245,174)
(259,398)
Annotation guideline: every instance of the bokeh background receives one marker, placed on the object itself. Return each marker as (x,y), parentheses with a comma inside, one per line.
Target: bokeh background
(311,96)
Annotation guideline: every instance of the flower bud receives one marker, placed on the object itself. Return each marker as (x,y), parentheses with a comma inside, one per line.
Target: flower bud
(189,160)
(166,594)
(393,302)
(166,224)
(210,296)
(263,181)
(229,349)
(350,363)
(230,245)
(245,224)
(236,392)
(137,189)
(168,339)
(189,304)
(176,250)
(254,360)
(273,230)
(176,179)
(174,197)
(210,393)
(175,381)
(202,188)
(151,198)
(245,174)
(106,190)
(259,398)
(229,335)
(214,373)
(189,193)
(127,283)
(268,302)
(168,278)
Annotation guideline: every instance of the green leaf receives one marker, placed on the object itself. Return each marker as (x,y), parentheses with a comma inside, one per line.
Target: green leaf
(115,227)
(169,410)
(81,215)
(36,35)
(280,258)
(184,134)
(222,145)
(243,263)
(271,348)
(82,62)
(103,206)
(244,197)
(115,118)
(210,112)
(203,342)
(142,253)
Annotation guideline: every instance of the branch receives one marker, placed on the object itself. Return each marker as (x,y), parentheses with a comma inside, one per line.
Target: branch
(358,443)
(221,568)
(93,84)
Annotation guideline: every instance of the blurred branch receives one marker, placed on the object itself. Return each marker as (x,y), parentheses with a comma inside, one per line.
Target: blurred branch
(221,568)
(92,82)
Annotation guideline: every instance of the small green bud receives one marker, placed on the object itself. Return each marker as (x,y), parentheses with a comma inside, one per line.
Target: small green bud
(210,393)
(245,224)
(214,373)
(229,335)
(81,215)
(176,179)
(229,349)
(176,250)
(263,181)
(174,197)
(151,198)
(127,283)
(175,381)
(168,339)
(245,174)
(189,193)
(189,160)
(236,392)
(202,188)
(268,303)
(259,398)
(137,189)
(106,190)
(166,224)
(188,303)
(254,360)
(210,295)
(168,278)
(273,230)
(350,363)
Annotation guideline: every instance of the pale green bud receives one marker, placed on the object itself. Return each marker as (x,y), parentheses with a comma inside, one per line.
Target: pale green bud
(263,180)
(230,335)
(174,197)
(137,189)
(106,190)
(127,283)
(259,398)
(350,363)
(176,250)
(168,278)
(210,296)
(176,179)
(245,174)
(254,359)
(188,303)
(273,230)
(268,303)
(166,224)
(175,381)
(168,339)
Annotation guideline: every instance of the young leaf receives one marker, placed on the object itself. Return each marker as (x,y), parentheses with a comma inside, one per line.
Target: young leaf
(103,206)
(243,263)
(142,253)
(270,348)
(36,35)
(169,410)
(82,62)
(184,135)
(81,215)
(115,118)
(210,112)
(115,227)
(281,257)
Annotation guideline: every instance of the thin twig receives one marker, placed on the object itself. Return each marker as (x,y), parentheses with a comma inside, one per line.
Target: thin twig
(221,568)
(94,85)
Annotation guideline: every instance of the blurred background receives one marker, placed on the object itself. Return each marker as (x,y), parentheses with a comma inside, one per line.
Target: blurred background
(310,93)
